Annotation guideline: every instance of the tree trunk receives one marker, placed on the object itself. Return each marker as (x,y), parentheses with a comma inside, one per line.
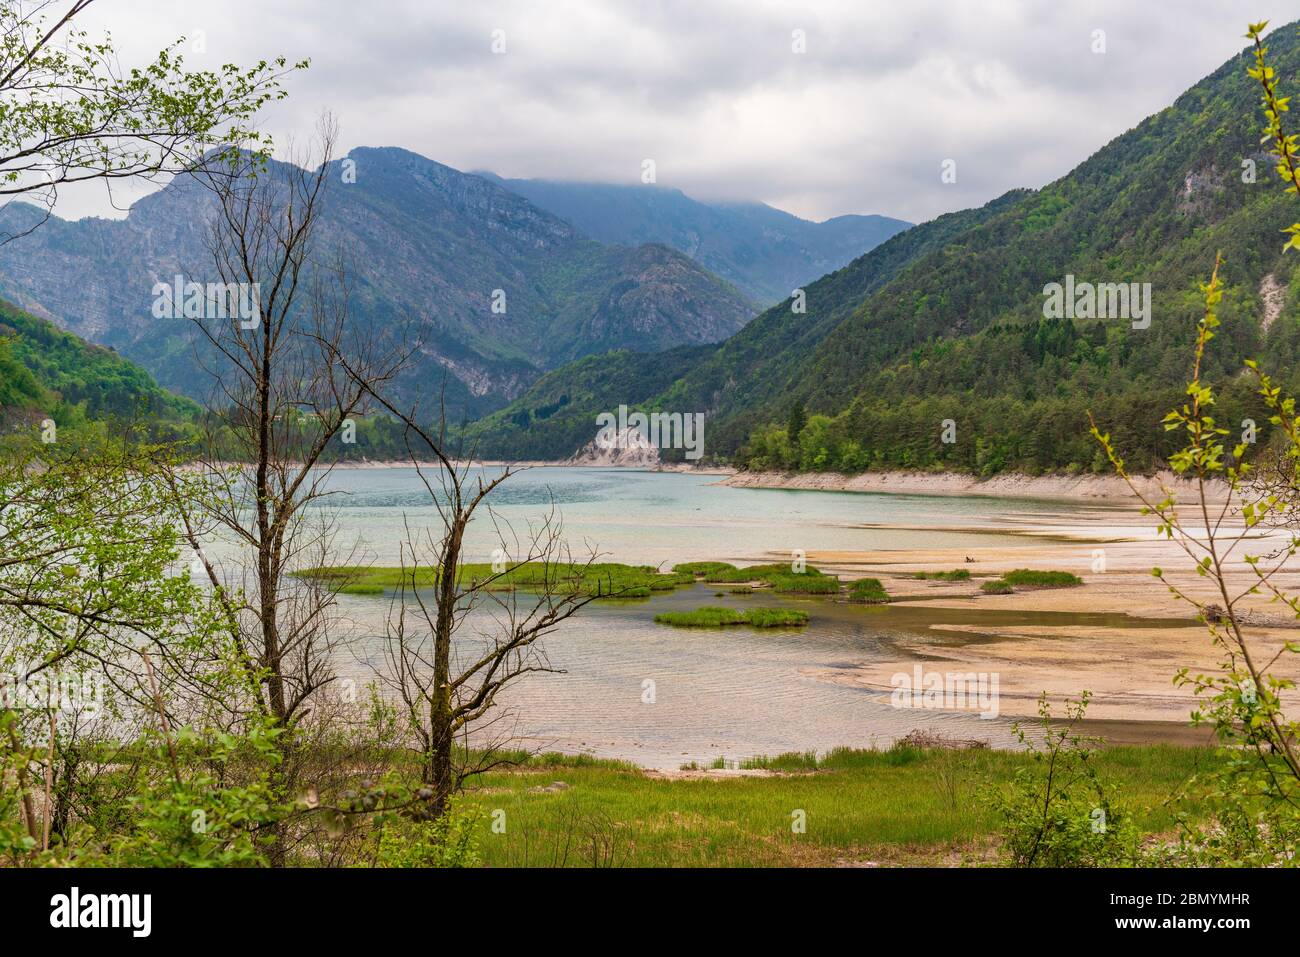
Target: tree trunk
(441,705)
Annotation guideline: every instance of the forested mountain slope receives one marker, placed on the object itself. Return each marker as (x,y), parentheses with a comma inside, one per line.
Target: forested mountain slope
(744,365)
(961,333)
(46,373)
(557,415)
(947,321)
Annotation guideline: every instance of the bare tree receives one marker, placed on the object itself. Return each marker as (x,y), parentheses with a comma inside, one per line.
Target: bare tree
(451,653)
(280,402)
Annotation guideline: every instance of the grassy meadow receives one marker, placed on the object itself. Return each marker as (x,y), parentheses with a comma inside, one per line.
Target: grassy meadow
(903,806)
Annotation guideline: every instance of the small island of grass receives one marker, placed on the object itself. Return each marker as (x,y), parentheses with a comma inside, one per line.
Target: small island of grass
(868,591)
(716,617)
(600,579)
(1029,578)
(703,569)
(606,580)
(780,576)
(957,575)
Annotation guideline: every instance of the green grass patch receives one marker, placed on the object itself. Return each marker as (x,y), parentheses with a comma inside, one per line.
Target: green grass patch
(957,575)
(779,576)
(1027,577)
(757,573)
(904,805)
(805,584)
(605,579)
(717,617)
(790,761)
(777,617)
(704,569)
(869,591)
(996,587)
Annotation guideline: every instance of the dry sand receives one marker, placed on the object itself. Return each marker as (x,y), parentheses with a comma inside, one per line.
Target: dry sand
(1129,670)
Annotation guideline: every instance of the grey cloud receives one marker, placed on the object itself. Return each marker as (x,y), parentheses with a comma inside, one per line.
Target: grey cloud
(712,91)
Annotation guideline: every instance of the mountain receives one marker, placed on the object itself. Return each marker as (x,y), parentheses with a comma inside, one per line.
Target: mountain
(48,373)
(947,321)
(429,251)
(765,252)
(751,363)
(557,415)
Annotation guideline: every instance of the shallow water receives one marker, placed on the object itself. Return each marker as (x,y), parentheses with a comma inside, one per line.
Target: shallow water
(730,693)
(669,517)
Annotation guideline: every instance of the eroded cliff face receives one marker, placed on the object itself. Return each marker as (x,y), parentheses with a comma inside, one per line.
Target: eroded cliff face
(627,447)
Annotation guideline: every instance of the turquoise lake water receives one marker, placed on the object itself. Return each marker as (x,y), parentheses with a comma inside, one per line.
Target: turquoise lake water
(732,693)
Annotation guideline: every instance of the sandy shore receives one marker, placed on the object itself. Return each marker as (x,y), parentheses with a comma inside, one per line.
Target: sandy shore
(1059,488)
(1075,488)
(1128,668)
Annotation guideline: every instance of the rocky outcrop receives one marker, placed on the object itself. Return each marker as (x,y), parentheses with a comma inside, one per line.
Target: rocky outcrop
(628,448)
(1272,296)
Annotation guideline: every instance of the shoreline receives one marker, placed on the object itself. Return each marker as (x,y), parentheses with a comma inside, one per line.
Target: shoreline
(519,464)
(1099,489)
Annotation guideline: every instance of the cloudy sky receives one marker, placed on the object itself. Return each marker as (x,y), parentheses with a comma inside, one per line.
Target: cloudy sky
(714,91)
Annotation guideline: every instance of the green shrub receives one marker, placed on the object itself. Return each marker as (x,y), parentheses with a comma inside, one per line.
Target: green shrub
(997,587)
(447,841)
(197,817)
(1057,812)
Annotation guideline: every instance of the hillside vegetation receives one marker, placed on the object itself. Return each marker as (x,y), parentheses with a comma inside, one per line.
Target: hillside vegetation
(46,373)
(959,333)
(940,332)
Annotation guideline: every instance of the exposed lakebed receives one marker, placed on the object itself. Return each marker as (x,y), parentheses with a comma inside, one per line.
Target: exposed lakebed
(733,692)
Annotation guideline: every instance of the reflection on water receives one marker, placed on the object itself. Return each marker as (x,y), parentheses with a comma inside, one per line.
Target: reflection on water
(736,692)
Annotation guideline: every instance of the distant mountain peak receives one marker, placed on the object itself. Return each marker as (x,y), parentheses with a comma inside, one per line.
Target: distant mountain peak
(764,251)
(430,250)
